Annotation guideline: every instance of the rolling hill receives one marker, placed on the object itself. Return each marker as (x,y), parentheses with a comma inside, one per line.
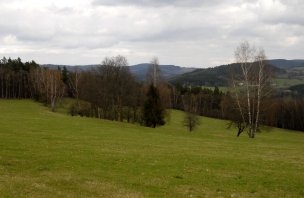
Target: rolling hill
(216,76)
(213,76)
(139,71)
(168,71)
(46,154)
(286,64)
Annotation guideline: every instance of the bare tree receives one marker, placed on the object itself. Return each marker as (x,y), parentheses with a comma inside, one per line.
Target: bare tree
(56,87)
(249,86)
(115,77)
(154,73)
(47,85)
(191,108)
(112,91)
(73,81)
(155,78)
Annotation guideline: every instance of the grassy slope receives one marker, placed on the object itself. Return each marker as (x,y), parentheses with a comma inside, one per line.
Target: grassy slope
(286,83)
(280,83)
(45,154)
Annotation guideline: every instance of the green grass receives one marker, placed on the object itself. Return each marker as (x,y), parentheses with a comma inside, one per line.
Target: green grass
(298,69)
(221,88)
(286,83)
(46,154)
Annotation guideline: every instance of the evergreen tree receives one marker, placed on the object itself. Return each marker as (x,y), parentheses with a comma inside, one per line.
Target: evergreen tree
(154,112)
(216,98)
(65,75)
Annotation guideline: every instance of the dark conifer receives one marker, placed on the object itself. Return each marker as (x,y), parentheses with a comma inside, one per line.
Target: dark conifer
(154,113)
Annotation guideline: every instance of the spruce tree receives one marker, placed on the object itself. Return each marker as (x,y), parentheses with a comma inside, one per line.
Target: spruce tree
(154,112)
(65,75)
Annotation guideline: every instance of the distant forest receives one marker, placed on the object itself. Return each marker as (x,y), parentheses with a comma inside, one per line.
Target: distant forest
(111,92)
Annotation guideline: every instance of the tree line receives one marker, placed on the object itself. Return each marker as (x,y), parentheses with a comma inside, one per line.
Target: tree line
(109,91)
(15,78)
(276,111)
(20,80)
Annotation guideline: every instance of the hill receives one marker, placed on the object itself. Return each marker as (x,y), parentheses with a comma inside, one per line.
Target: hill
(286,64)
(46,154)
(168,71)
(216,76)
(213,76)
(139,71)
(71,67)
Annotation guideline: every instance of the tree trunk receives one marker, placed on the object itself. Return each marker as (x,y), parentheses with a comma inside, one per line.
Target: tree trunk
(53,105)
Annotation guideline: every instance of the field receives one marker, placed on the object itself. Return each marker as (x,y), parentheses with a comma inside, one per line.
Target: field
(46,154)
(221,88)
(286,83)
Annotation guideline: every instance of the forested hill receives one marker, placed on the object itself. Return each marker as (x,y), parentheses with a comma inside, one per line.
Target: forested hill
(71,67)
(286,64)
(139,71)
(168,71)
(184,75)
(216,76)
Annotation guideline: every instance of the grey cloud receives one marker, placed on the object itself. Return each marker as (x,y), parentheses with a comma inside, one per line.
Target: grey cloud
(245,32)
(24,34)
(188,33)
(295,20)
(159,3)
(58,10)
(179,34)
(288,19)
(283,12)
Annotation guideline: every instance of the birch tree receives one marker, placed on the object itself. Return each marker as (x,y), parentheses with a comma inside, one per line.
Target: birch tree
(191,108)
(250,85)
(73,82)
(56,87)
(154,73)
(47,85)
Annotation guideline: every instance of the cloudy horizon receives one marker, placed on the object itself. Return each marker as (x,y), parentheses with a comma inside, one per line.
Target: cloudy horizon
(193,33)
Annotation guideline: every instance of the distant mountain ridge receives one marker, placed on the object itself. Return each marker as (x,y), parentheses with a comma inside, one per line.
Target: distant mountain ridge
(71,67)
(216,76)
(139,71)
(286,64)
(199,76)
(168,71)
(219,75)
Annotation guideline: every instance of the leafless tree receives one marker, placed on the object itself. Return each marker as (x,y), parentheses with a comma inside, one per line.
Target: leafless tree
(47,85)
(112,91)
(56,87)
(191,108)
(116,77)
(73,81)
(250,85)
(155,78)
(154,73)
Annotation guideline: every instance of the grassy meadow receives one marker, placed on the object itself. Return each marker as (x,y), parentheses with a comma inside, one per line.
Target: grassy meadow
(286,83)
(46,154)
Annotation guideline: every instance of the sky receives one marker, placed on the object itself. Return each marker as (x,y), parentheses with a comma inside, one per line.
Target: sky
(190,33)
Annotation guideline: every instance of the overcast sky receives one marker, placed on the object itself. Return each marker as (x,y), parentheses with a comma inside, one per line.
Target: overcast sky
(197,33)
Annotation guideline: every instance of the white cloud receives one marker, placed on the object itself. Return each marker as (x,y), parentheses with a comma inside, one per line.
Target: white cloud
(292,40)
(10,40)
(188,33)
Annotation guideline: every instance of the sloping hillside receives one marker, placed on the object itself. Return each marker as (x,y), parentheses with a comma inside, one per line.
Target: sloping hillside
(216,76)
(46,154)
(168,71)
(286,64)
(139,71)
